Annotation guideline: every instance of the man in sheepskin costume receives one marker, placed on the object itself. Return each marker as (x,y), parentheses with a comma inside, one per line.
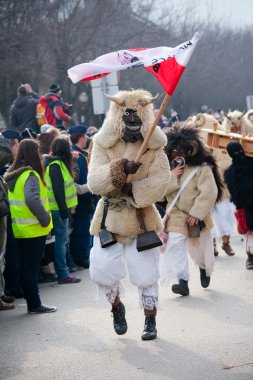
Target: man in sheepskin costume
(222,213)
(192,209)
(115,147)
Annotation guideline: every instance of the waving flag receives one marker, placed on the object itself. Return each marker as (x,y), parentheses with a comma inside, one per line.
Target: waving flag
(165,63)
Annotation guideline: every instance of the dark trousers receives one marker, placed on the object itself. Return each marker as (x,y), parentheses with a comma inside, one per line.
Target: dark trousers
(80,239)
(31,251)
(48,256)
(12,264)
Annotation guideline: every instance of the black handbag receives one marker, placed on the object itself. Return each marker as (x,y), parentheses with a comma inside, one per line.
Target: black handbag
(106,237)
(148,239)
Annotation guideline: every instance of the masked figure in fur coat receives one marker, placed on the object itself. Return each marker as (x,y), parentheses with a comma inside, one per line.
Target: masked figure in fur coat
(238,178)
(191,209)
(115,147)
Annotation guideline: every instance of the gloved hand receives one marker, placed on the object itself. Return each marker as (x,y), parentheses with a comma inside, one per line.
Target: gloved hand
(131,167)
(127,189)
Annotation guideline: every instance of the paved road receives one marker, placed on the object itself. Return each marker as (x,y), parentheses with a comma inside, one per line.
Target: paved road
(208,335)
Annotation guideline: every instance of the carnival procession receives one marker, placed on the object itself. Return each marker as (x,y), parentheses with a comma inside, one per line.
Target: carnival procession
(126,190)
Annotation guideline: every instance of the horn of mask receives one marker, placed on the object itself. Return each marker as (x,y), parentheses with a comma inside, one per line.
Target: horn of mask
(243,113)
(250,116)
(195,148)
(145,102)
(116,100)
(200,119)
(226,115)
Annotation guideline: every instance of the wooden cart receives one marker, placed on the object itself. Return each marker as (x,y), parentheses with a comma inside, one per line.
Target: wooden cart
(219,140)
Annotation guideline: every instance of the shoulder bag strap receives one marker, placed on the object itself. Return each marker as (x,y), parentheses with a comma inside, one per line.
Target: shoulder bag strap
(181,188)
(106,206)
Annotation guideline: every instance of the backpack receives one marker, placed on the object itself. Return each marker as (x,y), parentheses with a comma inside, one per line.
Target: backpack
(40,114)
(44,111)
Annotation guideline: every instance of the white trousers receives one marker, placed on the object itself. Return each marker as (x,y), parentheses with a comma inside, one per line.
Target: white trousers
(174,263)
(249,242)
(107,268)
(224,219)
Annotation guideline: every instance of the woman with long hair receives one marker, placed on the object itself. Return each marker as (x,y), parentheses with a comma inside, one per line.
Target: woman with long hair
(62,196)
(31,218)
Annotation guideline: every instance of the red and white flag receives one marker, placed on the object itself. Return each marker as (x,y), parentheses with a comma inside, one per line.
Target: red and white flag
(165,63)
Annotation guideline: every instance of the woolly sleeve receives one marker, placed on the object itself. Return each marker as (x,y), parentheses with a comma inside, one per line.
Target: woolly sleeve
(207,193)
(105,175)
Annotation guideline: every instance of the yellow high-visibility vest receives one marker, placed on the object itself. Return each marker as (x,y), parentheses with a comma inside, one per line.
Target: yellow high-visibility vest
(24,222)
(69,187)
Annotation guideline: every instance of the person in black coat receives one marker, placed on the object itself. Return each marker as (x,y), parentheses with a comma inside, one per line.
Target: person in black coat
(23,109)
(239,180)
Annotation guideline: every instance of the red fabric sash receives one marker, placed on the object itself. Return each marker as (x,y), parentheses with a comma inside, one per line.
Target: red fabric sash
(241,221)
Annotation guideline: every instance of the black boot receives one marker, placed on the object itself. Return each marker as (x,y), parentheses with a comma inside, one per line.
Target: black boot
(204,279)
(249,261)
(119,320)
(149,331)
(181,288)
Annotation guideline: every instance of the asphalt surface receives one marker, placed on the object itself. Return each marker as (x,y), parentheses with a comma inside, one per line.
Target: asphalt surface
(208,335)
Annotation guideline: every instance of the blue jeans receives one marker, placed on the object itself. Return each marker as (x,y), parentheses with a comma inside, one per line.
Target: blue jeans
(80,239)
(60,245)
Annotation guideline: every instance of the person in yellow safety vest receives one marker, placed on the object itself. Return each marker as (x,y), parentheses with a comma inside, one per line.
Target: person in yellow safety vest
(62,197)
(31,218)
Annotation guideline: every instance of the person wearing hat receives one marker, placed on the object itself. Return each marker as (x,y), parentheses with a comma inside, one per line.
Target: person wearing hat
(45,127)
(80,240)
(13,139)
(10,134)
(28,133)
(23,110)
(56,111)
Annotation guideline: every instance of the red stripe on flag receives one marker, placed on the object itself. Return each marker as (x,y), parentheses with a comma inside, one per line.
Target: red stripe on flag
(98,76)
(168,73)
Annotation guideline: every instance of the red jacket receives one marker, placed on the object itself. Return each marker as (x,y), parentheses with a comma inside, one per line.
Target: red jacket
(55,110)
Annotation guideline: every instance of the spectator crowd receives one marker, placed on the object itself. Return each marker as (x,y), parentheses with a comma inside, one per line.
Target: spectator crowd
(46,206)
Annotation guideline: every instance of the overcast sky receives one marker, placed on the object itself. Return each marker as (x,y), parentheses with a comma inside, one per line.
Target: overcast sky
(237,12)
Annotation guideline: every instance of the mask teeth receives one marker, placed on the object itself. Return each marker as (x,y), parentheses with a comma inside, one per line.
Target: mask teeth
(133,128)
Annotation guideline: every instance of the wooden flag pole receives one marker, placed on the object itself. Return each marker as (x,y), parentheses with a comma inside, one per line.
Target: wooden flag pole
(150,132)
